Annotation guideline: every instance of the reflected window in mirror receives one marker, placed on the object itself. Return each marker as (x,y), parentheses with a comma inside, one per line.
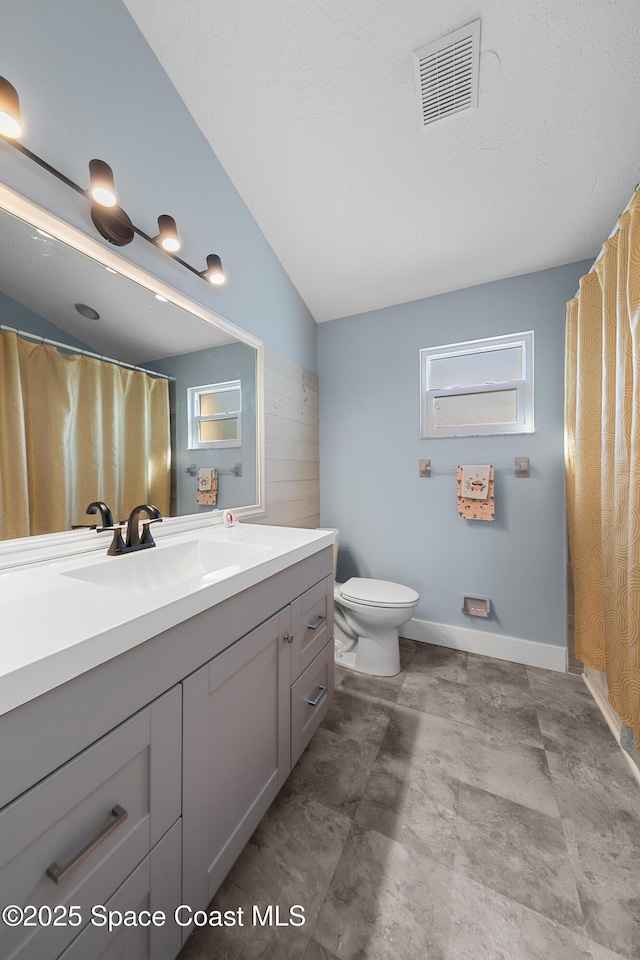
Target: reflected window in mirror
(214,414)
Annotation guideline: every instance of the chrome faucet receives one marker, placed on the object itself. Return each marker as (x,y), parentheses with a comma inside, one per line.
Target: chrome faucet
(119,545)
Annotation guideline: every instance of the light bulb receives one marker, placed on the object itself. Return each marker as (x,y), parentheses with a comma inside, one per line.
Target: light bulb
(10,125)
(168,235)
(102,187)
(214,272)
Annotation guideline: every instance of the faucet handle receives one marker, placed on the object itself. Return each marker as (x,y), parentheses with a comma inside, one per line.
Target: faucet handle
(117,544)
(147,539)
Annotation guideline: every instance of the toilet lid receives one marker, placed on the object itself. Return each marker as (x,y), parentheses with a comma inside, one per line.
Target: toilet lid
(378,593)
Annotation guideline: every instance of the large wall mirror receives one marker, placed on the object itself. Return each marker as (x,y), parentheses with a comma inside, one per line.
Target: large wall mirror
(114,387)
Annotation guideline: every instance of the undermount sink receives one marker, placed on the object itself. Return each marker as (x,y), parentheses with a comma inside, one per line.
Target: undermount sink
(147,571)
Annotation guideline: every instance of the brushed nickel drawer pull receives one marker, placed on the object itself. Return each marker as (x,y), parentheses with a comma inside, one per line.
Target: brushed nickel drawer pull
(288,637)
(316,700)
(59,874)
(315,623)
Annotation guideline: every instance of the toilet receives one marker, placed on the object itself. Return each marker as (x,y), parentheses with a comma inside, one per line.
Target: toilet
(368,615)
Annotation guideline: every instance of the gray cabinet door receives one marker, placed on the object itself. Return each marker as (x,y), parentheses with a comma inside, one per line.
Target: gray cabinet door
(153,887)
(236,752)
(77,835)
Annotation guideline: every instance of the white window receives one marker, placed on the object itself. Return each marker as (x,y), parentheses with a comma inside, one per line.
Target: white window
(214,415)
(477,388)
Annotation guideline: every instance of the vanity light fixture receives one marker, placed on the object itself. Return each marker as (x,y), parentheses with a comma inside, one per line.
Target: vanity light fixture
(10,125)
(102,189)
(168,235)
(109,219)
(214,272)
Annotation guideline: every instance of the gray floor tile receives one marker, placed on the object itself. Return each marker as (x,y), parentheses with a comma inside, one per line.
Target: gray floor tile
(385,902)
(612,915)
(356,715)
(412,798)
(545,844)
(249,941)
(574,727)
(339,675)
(333,770)
(601,797)
(408,649)
(384,688)
(507,712)
(517,852)
(513,771)
(551,686)
(601,953)
(441,663)
(488,926)
(443,698)
(316,952)
(601,817)
(293,853)
(486,672)
(411,733)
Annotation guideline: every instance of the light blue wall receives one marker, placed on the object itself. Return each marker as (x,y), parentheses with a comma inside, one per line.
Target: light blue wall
(234,361)
(394,525)
(90,86)
(14,314)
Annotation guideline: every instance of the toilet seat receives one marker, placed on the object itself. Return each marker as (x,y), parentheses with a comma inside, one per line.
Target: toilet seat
(378,593)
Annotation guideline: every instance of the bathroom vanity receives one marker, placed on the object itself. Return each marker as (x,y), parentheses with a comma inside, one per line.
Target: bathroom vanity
(152,707)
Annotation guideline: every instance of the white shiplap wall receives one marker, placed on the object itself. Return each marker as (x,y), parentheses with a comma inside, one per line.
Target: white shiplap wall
(292,443)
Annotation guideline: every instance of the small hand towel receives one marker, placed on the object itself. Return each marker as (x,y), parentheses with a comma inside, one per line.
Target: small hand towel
(470,508)
(475,481)
(204,480)
(207,493)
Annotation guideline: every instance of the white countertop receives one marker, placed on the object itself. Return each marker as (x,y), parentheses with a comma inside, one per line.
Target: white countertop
(56,626)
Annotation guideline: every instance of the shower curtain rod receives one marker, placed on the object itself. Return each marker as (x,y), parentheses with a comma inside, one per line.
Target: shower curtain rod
(83,353)
(612,234)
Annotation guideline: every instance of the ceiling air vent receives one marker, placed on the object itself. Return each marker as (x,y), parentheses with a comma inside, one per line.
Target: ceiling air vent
(447,73)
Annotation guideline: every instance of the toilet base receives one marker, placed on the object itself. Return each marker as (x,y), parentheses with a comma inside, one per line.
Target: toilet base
(377,655)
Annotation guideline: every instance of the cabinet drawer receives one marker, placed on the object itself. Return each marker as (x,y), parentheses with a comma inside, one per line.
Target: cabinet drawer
(77,835)
(154,885)
(311,625)
(311,697)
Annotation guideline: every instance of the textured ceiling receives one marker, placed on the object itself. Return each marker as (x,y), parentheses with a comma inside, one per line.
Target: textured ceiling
(311,108)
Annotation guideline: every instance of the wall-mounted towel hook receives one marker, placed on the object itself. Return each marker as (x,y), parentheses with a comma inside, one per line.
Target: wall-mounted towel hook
(522,467)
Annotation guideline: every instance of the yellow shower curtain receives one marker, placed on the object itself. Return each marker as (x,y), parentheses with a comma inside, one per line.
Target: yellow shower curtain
(602,424)
(75,429)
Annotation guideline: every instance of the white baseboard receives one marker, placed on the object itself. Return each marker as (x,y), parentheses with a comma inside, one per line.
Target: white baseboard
(496,645)
(613,720)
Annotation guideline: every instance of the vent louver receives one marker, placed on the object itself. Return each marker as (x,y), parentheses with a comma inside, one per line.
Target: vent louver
(447,73)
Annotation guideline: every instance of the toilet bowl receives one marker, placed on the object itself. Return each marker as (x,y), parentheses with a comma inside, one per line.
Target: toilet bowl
(368,615)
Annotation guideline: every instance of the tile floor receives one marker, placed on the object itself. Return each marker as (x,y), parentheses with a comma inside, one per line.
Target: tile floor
(467,809)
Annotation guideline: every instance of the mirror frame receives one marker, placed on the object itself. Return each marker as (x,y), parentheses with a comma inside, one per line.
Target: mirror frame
(53,546)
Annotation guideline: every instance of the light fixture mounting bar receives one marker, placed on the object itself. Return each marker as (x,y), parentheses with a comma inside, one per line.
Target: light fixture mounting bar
(113,212)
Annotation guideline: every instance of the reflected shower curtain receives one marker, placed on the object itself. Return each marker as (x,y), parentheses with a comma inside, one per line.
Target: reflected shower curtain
(602,423)
(75,429)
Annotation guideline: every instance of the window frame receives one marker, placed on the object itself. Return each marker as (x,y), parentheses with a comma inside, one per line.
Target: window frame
(524,387)
(194,419)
